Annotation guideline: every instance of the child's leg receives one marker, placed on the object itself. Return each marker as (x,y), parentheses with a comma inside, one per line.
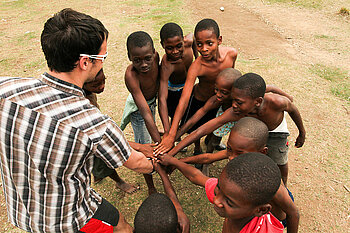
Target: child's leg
(142,136)
(284,173)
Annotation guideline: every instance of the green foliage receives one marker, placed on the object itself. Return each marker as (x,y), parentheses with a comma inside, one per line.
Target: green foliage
(343,11)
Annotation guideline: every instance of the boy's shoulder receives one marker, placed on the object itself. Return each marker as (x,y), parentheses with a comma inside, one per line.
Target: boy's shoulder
(276,101)
(188,40)
(228,52)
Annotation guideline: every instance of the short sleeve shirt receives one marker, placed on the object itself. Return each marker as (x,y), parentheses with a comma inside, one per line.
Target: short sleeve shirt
(49,133)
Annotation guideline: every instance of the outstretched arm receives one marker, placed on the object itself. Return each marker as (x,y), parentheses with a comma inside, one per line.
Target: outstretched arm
(165,70)
(205,158)
(138,162)
(209,105)
(205,129)
(134,88)
(184,222)
(191,173)
(168,141)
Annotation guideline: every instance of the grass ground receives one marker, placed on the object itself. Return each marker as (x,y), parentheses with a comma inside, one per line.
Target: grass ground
(319,84)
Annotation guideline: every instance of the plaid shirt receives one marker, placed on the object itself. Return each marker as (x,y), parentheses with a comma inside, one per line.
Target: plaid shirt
(49,133)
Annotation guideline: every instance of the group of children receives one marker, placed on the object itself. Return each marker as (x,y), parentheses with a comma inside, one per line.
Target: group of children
(251,192)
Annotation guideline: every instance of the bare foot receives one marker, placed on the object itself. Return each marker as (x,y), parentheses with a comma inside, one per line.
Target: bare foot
(128,188)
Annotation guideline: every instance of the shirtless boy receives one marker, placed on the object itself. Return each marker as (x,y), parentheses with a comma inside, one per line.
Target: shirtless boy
(178,57)
(142,81)
(250,135)
(249,99)
(237,195)
(206,67)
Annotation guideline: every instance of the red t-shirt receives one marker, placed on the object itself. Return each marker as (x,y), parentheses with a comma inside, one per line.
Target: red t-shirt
(264,224)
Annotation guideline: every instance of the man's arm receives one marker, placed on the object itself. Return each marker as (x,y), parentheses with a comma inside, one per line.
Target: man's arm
(146,149)
(285,203)
(205,129)
(168,141)
(134,88)
(191,173)
(212,103)
(206,158)
(138,162)
(165,72)
(184,222)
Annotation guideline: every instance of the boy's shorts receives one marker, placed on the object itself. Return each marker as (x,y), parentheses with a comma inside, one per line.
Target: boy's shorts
(173,101)
(193,106)
(105,218)
(278,145)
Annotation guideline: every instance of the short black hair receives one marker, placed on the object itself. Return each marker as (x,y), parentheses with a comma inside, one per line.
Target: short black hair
(256,174)
(156,214)
(254,129)
(252,83)
(170,30)
(138,39)
(68,34)
(207,24)
(230,75)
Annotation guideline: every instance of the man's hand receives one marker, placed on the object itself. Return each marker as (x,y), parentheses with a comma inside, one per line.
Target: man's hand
(166,144)
(184,222)
(299,142)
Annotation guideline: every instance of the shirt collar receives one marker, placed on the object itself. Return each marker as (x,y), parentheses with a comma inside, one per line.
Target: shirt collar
(61,85)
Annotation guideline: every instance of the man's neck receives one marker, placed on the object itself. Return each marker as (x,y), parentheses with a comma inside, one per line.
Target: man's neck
(70,77)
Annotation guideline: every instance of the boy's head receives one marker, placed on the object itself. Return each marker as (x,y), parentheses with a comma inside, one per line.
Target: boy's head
(246,186)
(248,135)
(207,36)
(172,40)
(68,34)
(156,214)
(141,51)
(224,83)
(248,93)
(97,85)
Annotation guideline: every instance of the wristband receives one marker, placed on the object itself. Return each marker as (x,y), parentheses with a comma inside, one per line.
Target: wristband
(153,171)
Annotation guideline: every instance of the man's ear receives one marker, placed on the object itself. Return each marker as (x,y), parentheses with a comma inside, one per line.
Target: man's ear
(262,209)
(258,101)
(264,150)
(83,63)
(219,40)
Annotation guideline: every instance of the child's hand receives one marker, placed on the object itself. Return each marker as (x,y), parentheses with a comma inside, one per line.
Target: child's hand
(299,142)
(165,159)
(166,144)
(184,222)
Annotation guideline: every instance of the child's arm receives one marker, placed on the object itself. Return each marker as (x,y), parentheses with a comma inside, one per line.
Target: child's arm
(190,40)
(288,106)
(212,103)
(191,173)
(205,129)
(285,203)
(276,90)
(134,88)
(205,158)
(168,141)
(170,192)
(165,71)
